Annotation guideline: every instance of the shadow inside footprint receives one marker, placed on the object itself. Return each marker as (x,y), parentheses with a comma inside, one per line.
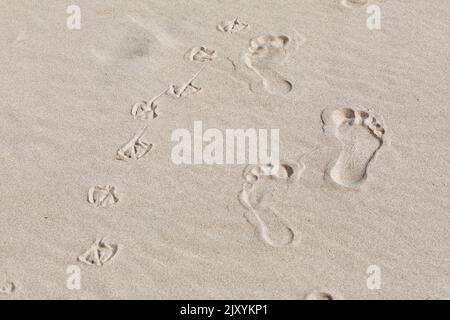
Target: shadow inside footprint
(361,136)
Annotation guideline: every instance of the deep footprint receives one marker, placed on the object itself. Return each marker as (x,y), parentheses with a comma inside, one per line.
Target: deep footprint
(361,136)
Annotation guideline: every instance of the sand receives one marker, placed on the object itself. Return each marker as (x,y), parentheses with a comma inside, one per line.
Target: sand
(89,188)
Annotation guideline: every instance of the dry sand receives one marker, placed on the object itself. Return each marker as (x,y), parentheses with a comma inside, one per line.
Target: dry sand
(364,118)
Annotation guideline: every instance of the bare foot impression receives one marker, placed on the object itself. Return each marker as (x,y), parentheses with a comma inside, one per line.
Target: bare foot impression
(102,196)
(361,135)
(134,149)
(200,54)
(146,109)
(272,227)
(265,53)
(99,253)
(186,89)
(232,26)
(323,295)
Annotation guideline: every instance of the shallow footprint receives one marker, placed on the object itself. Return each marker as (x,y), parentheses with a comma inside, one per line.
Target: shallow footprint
(350,5)
(273,229)
(256,197)
(232,26)
(186,89)
(99,253)
(287,170)
(102,196)
(200,54)
(135,148)
(265,53)
(272,82)
(361,135)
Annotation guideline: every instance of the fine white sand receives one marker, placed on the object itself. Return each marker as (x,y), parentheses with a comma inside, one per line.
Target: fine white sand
(363,118)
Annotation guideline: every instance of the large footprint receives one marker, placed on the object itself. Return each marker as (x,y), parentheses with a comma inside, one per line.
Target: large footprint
(271,226)
(361,135)
(265,53)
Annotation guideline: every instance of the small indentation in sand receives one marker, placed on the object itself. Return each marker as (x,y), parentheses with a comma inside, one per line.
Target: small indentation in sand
(272,227)
(135,148)
(265,53)
(323,294)
(8,287)
(102,196)
(99,253)
(200,54)
(186,89)
(232,26)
